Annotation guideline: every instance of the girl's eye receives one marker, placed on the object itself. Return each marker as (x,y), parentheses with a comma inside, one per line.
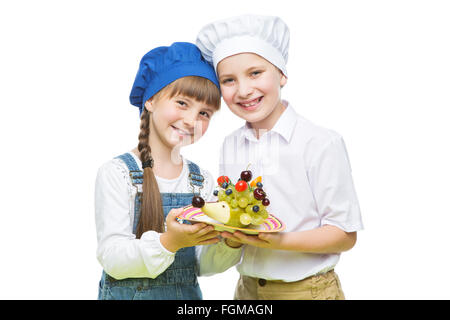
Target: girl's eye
(182,103)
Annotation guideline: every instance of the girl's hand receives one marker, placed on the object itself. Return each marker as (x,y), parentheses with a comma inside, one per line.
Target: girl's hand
(262,240)
(179,235)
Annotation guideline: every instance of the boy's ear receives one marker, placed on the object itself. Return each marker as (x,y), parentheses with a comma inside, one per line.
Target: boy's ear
(283,80)
(149,105)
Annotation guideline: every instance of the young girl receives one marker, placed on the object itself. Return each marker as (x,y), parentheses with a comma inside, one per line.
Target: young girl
(304,167)
(177,93)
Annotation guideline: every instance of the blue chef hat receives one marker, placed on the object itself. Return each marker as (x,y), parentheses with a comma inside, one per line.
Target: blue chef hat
(163,65)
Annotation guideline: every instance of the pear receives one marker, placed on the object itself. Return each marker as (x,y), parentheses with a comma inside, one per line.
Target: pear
(222,212)
(219,211)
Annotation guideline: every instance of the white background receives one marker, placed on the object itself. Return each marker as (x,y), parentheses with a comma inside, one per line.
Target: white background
(378,72)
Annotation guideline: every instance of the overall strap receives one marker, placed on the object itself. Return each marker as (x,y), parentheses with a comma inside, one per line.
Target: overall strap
(195,177)
(137,177)
(136,174)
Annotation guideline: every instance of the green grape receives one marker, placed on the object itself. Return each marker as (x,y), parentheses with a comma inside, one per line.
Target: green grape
(245,218)
(229,198)
(263,213)
(233,203)
(236,211)
(257,219)
(243,202)
(258,203)
(235,217)
(249,209)
(222,195)
(244,193)
(251,198)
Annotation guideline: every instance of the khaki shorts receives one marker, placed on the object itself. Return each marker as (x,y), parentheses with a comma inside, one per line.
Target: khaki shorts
(325,286)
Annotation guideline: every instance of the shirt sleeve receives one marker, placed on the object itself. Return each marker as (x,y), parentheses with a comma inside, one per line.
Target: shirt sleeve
(119,252)
(217,258)
(331,181)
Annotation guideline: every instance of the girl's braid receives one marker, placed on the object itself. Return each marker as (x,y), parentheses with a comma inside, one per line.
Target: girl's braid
(144,146)
(152,213)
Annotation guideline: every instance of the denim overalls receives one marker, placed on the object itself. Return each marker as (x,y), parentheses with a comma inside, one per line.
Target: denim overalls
(179,280)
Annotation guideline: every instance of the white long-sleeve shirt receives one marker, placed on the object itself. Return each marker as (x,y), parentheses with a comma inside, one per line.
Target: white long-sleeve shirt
(119,252)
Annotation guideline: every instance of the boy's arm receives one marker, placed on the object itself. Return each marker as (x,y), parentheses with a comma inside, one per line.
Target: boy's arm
(325,239)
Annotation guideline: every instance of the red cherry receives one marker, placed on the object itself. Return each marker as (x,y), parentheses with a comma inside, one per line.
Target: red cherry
(198,202)
(259,194)
(241,185)
(246,175)
(265,202)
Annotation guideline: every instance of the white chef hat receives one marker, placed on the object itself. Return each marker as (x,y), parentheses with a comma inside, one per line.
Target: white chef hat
(267,36)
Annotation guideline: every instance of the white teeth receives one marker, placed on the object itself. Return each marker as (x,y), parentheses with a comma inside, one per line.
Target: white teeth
(251,103)
(181,131)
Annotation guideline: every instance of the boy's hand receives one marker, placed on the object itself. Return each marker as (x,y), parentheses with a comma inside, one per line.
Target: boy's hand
(262,240)
(325,239)
(180,235)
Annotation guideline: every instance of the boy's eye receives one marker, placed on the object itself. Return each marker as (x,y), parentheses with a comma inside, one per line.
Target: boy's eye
(255,73)
(205,114)
(227,81)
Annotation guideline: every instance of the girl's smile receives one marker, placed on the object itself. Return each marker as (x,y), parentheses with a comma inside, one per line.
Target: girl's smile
(182,132)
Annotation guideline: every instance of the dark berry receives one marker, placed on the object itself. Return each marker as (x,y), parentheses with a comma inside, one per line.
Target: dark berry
(265,202)
(198,202)
(246,175)
(255,208)
(224,185)
(216,192)
(259,194)
(228,192)
(259,184)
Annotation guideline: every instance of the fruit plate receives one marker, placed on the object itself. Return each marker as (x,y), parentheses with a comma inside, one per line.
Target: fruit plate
(194,215)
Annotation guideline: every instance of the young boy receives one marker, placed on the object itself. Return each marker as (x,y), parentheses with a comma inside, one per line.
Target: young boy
(304,168)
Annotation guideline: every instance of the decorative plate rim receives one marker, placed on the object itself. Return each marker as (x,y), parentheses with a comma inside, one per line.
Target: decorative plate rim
(281,225)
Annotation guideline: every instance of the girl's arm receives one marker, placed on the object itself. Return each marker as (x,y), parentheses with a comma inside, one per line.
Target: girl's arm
(119,252)
(216,258)
(325,239)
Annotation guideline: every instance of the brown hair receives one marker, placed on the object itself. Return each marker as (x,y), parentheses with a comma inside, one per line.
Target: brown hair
(198,88)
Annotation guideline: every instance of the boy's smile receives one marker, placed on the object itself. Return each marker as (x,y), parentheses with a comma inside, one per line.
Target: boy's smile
(250,87)
(251,105)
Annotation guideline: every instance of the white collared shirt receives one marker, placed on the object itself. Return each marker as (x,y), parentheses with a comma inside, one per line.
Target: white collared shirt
(306,174)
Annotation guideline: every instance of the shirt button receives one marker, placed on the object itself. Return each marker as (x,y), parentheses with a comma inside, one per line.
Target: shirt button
(262,282)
